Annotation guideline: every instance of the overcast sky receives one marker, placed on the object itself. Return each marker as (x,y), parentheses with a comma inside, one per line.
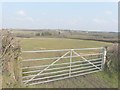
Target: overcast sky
(95,16)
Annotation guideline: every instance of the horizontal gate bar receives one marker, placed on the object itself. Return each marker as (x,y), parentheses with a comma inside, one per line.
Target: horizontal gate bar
(60,63)
(33,71)
(46,73)
(49,77)
(55,72)
(64,77)
(63,74)
(61,58)
(85,70)
(62,50)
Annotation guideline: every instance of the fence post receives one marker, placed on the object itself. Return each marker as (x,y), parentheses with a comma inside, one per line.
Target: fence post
(104,57)
(70,62)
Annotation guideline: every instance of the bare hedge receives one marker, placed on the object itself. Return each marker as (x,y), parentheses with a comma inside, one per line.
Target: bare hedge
(10,51)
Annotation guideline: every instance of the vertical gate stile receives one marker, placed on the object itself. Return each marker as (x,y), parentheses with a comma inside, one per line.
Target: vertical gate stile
(70,62)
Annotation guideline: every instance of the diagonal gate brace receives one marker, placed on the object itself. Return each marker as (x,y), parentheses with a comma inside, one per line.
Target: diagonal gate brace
(86,59)
(46,67)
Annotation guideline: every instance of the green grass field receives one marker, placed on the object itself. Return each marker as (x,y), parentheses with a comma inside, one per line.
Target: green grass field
(95,80)
(58,43)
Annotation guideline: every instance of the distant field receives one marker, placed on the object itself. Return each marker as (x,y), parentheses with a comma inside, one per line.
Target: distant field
(95,80)
(58,43)
(55,43)
(71,34)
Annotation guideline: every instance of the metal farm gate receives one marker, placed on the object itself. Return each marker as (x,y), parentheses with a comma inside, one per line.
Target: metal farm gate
(49,65)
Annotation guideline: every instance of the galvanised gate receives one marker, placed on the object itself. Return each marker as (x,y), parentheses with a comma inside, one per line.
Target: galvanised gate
(50,65)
